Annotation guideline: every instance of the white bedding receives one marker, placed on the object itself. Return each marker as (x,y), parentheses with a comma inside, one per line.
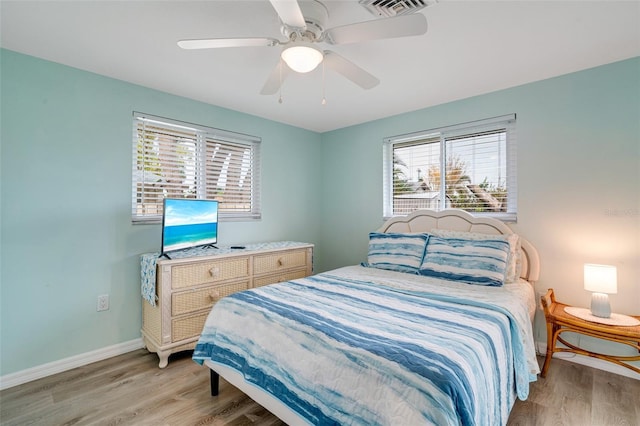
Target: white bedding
(349,363)
(510,293)
(511,296)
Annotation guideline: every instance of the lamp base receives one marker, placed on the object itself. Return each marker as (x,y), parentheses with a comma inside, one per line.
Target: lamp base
(600,306)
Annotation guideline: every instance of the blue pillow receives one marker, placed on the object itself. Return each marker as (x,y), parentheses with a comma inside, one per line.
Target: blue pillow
(480,262)
(396,252)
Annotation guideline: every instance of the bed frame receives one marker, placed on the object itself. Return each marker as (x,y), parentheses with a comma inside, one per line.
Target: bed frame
(418,221)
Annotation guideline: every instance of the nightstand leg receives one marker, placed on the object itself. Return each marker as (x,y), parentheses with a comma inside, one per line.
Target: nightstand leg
(551,343)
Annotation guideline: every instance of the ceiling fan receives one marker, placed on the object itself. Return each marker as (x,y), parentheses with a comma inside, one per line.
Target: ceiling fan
(304,25)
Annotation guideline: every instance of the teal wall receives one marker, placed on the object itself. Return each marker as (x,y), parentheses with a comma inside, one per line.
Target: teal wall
(66,232)
(66,235)
(578,177)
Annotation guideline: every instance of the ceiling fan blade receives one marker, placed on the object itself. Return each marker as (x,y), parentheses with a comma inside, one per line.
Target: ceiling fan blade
(397,26)
(213,43)
(277,76)
(289,13)
(349,70)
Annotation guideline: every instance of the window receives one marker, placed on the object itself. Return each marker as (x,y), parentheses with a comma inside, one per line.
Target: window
(470,166)
(172,159)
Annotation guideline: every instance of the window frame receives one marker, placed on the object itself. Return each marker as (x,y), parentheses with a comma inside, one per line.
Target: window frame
(444,134)
(204,136)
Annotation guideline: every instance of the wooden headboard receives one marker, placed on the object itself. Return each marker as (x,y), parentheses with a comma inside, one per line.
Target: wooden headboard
(460,220)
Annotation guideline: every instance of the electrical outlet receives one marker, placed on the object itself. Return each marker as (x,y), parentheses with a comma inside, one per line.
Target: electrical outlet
(103,303)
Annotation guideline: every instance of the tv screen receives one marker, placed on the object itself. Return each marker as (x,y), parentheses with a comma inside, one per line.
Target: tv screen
(188,223)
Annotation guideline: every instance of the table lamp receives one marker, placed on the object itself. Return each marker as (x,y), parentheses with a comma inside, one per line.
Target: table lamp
(601,280)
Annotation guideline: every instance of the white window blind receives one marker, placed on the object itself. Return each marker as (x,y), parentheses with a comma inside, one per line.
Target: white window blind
(471,166)
(172,159)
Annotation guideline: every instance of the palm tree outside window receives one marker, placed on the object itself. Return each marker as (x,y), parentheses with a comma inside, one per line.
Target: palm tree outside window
(469,166)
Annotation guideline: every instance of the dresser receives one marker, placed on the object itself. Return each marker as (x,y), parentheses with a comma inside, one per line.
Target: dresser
(187,287)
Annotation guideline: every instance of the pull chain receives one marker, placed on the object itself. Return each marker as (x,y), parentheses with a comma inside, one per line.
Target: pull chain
(280,88)
(324,99)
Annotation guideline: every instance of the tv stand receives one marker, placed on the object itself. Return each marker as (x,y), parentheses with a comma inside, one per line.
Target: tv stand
(204,246)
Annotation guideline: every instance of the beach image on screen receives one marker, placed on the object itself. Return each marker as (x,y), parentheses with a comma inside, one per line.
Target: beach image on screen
(189,223)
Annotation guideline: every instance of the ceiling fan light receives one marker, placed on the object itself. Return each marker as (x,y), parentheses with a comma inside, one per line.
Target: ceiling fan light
(302,57)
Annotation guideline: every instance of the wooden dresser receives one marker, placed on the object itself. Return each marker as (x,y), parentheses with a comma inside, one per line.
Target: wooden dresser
(187,288)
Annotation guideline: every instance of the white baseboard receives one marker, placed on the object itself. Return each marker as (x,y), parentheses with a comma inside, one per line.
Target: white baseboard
(600,364)
(24,376)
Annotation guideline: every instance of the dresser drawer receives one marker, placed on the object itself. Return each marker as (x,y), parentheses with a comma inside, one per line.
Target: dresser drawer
(186,327)
(196,273)
(194,300)
(278,278)
(279,261)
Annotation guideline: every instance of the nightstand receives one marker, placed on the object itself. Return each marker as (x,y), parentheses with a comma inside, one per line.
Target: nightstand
(559,321)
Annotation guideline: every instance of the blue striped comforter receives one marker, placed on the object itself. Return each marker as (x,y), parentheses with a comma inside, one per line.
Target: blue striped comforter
(364,346)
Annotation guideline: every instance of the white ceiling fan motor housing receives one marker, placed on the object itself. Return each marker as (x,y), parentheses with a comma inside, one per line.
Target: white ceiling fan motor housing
(315,16)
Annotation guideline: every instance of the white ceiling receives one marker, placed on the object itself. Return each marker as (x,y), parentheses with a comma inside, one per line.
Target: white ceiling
(471,47)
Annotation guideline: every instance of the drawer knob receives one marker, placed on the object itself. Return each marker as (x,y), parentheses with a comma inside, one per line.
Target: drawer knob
(280,262)
(214,295)
(214,272)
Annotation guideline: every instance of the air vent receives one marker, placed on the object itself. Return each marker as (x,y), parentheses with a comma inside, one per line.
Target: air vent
(389,8)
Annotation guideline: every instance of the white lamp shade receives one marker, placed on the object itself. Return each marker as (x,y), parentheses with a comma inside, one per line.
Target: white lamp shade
(302,57)
(600,278)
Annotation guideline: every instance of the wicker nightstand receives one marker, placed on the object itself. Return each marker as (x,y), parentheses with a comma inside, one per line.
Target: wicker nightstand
(559,321)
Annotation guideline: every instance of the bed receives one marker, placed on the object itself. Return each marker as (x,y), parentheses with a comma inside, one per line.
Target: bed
(408,337)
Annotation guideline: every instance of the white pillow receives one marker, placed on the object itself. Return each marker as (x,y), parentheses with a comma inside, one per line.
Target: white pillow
(514,263)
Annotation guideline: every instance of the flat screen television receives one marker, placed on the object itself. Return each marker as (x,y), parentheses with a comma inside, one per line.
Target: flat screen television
(188,223)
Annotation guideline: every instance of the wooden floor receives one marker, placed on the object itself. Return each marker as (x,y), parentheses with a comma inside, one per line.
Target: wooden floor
(131,390)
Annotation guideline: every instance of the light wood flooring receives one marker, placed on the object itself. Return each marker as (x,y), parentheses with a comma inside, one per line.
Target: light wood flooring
(130,389)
